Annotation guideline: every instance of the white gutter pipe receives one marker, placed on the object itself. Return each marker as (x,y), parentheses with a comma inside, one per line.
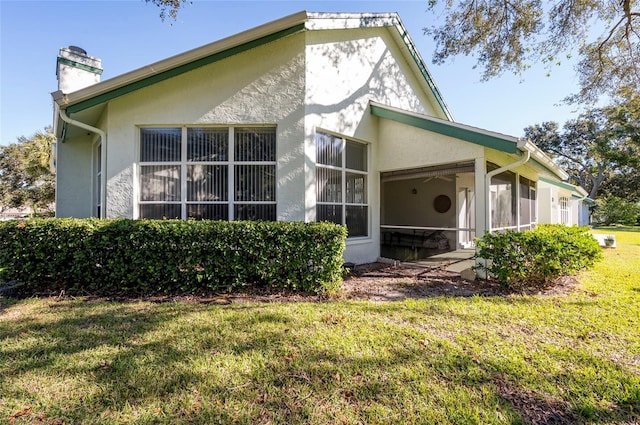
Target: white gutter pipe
(103,157)
(487,177)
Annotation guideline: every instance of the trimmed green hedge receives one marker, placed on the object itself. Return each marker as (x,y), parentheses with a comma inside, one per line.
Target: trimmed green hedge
(123,256)
(535,257)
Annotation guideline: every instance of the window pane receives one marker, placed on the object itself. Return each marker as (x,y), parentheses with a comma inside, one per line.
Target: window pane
(207,144)
(208,211)
(356,156)
(503,200)
(356,188)
(328,150)
(160,211)
(356,217)
(534,217)
(255,212)
(255,144)
(255,182)
(207,183)
(525,204)
(328,185)
(160,144)
(99,159)
(160,183)
(332,213)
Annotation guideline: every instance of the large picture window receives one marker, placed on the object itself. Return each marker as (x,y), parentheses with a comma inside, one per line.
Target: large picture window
(341,183)
(208,173)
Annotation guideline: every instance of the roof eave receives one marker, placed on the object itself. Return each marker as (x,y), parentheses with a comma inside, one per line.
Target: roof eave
(542,158)
(116,86)
(181,59)
(490,139)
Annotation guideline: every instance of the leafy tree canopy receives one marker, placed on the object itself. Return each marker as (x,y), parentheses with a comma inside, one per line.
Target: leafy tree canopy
(600,149)
(168,8)
(510,35)
(25,175)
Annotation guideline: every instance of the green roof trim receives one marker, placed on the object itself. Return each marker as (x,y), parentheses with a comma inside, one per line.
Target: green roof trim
(446,129)
(558,183)
(423,69)
(190,66)
(80,65)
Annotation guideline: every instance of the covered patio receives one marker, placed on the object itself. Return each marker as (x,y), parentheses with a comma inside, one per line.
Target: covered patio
(427,211)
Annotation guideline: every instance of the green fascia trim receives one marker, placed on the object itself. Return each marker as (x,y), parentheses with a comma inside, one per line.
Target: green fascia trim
(170,73)
(587,201)
(447,130)
(80,65)
(423,70)
(542,166)
(559,184)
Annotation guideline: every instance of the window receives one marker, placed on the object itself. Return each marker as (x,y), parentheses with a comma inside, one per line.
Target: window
(208,173)
(503,201)
(341,183)
(527,204)
(564,210)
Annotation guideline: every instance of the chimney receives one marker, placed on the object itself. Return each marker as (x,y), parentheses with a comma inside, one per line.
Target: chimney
(77,70)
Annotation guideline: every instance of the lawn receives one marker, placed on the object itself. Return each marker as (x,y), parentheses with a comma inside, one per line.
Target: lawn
(495,360)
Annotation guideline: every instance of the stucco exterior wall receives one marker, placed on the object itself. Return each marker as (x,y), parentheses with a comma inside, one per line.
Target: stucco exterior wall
(74,170)
(345,69)
(410,147)
(264,85)
(549,204)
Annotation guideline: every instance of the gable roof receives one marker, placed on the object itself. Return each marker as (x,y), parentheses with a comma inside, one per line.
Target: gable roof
(475,135)
(151,74)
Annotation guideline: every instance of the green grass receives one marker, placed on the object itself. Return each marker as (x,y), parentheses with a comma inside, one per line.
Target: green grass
(498,360)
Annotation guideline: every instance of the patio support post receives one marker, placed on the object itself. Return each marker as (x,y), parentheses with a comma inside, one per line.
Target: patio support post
(480,196)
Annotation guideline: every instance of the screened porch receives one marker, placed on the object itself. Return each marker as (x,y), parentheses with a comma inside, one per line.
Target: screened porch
(427,211)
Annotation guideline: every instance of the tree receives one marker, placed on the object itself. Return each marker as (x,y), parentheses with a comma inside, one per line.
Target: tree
(625,185)
(168,8)
(25,175)
(510,35)
(601,145)
(614,210)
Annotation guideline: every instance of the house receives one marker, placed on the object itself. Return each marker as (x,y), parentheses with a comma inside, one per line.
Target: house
(14,213)
(315,116)
(563,203)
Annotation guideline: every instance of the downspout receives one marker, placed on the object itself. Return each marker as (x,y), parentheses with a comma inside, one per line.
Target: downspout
(103,157)
(487,180)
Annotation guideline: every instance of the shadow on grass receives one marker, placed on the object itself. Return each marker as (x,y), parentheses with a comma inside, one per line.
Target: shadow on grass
(178,363)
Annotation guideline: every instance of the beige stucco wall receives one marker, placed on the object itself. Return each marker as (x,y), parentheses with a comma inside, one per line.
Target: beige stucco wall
(411,147)
(264,85)
(345,69)
(74,171)
(549,204)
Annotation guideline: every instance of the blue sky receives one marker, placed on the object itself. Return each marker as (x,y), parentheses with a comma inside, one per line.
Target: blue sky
(128,34)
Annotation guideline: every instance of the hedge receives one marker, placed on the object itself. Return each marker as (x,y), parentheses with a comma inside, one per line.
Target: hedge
(536,257)
(144,257)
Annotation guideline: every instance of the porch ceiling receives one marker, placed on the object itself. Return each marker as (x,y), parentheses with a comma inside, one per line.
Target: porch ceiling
(424,172)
